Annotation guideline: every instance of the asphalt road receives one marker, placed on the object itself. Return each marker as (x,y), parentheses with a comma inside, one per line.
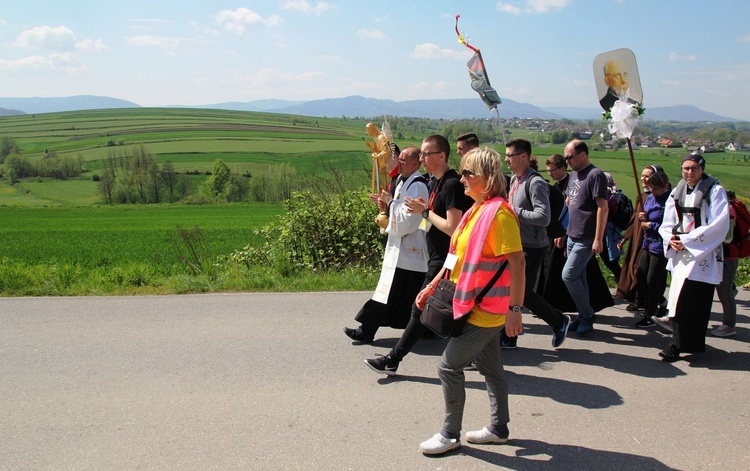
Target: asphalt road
(269,381)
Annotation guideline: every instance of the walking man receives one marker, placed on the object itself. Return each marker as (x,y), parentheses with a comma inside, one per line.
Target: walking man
(587,219)
(529,197)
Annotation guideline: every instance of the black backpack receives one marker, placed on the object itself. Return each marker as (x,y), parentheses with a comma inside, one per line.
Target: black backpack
(624,210)
(557,207)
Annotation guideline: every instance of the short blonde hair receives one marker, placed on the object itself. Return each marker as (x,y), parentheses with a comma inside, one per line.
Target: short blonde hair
(488,164)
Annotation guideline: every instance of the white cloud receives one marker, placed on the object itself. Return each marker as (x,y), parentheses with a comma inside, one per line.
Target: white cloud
(532,6)
(305,7)
(272,77)
(744,39)
(544,6)
(66,62)
(237,21)
(721,93)
(674,57)
(91,45)
(433,51)
(169,45)
(508,8)
(671,83)
(371,34)
(60,38)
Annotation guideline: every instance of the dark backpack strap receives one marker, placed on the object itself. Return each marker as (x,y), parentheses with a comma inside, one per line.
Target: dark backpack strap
(528,186)
(492,282)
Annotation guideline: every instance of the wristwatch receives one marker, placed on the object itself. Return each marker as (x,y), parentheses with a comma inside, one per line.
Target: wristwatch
(426,213)
(518,309)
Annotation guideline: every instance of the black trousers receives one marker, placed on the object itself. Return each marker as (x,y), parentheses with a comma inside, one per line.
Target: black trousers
(414,329)
(691,316)
(651,280)
(396,313)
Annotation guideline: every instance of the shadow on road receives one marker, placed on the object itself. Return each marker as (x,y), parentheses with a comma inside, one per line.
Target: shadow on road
(538,455)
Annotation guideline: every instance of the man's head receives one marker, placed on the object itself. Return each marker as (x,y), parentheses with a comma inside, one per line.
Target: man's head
(693,166)
(616,76)
(465,142)
(557,168)
(435,153)
(408,161)
(577,155)
(518,155)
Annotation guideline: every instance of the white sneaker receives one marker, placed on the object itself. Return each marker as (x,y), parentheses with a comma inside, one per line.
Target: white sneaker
(438,444)
(484,436)
(723,331)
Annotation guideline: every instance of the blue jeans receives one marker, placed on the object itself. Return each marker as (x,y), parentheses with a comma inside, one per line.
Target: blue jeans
(482,344)
(574,277)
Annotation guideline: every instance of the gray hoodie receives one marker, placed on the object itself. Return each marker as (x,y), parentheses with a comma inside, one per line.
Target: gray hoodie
(533,210)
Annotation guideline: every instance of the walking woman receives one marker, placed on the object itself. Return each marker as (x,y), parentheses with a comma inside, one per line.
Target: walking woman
(486,237)
(651,280)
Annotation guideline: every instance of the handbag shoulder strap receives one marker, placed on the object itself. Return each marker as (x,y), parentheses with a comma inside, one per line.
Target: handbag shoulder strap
(494,279)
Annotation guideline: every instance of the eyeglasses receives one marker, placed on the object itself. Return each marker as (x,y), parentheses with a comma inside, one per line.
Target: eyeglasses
(694,168)
(508,156)
(466,173)
(570,157)
(550,170)
(427,154)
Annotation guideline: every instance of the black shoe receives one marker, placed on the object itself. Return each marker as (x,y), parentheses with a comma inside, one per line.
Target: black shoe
(633,307)
(645,323)
(386,365)
(509,343)
(356,335)
(670,354)
(558,335)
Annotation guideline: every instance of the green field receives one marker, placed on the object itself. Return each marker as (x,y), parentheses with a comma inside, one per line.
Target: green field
(92,236)
(56,236)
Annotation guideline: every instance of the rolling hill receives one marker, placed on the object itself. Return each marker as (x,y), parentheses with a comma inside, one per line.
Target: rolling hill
(359,106)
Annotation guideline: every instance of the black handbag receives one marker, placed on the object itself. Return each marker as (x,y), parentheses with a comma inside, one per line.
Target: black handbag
(437,314)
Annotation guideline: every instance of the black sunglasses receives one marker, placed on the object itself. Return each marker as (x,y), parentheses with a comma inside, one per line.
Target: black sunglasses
(570,157)
(466,173)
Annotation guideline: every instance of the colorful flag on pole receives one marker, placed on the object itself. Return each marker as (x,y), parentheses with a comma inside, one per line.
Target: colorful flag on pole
(480,81)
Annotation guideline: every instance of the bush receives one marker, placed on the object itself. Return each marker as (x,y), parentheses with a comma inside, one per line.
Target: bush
(320,232)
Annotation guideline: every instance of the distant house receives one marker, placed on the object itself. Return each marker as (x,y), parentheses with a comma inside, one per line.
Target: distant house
(734,146)
(647,143)
(666,142)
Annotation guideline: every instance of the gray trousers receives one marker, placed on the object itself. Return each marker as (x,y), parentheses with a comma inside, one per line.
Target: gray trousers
(482,344)
(727,291)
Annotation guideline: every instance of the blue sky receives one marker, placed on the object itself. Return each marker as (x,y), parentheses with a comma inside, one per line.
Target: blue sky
(164,52)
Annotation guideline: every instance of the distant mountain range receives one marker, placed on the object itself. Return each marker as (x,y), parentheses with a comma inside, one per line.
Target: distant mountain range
(354,106)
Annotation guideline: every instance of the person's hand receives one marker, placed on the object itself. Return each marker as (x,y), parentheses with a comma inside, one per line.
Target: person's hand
(642,216)
(597,247)
(559,242)
(676,243)
(415,205)
(646,225)
(620,244)
(385,198)
(422,296)
(513,324)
